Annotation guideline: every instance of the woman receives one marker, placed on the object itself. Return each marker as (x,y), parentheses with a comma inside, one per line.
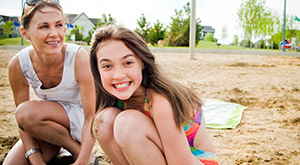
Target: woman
(59,74)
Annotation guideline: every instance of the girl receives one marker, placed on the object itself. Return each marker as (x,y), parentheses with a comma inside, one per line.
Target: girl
(144,117)
(60,75)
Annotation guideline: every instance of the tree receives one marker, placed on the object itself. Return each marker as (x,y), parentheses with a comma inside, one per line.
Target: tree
(297,36)
(156,33)
(105,20)
(143,28)
(235,40)
(290,27)
(250,14)
(8,29)
(262,17)
(224,32)
(271,25)
(180,28)
(278,29)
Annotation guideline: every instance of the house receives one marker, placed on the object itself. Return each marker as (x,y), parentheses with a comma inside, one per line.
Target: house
(81,20)
(205,30)
(72,20)
(15,20)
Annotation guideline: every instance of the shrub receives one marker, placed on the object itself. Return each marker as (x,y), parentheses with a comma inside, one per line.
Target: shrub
(209,37)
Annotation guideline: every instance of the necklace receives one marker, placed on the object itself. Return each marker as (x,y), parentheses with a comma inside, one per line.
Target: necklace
(146,109)
(123,106)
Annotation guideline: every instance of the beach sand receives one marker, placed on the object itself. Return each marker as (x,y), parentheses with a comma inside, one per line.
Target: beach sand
(269,132)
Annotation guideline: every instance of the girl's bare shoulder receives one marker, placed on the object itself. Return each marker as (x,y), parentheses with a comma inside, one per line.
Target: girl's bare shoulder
(159,101)
(156,97)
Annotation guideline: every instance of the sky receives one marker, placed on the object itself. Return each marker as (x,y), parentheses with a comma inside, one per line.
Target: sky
(215,13)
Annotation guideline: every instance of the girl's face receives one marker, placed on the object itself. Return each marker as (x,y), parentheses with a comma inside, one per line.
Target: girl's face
(46,31)
(120,70)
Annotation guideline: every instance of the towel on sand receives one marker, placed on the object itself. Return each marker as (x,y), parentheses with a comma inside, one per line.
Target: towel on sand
(222,115)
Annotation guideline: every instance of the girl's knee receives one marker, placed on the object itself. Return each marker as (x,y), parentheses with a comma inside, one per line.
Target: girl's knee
(102,127)
(128,127)
(127,119)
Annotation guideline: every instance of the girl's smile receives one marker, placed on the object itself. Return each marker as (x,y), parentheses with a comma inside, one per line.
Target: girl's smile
(120,70)
(122,86)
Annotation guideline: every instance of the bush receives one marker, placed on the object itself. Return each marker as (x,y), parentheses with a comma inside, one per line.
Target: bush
(209,37)
(261,44)
(247,44)
(8,29)
(275,45)
(78,34)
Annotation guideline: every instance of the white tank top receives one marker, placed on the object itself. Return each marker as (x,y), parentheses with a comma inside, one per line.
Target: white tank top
(67,90)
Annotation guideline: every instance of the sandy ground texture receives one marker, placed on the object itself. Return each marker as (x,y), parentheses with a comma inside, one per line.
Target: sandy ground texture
(269,86)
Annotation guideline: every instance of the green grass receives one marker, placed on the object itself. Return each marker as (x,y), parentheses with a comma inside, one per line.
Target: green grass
(213,45)
(13,41)
(201,44)
(209,45)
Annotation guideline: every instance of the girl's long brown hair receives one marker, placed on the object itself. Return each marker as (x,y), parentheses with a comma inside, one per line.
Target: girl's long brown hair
(184,101)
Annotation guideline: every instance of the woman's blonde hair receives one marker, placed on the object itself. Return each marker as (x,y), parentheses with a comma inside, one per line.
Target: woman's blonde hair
(29,11)
(183,100)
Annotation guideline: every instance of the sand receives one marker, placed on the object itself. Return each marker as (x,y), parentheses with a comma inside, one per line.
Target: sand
(269,86)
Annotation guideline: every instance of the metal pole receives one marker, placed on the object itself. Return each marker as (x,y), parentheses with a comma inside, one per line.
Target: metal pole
(284,13)
(192,29)
(21,34)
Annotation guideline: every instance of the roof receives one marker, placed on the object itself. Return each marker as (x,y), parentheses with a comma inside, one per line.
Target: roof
(94,20)
(9,18)
(73,17)
(70,18)
(208,29)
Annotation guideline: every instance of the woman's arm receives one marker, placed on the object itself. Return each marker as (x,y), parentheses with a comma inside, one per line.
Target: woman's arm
(174,141)
(20,89)
(83,75)
(18,82)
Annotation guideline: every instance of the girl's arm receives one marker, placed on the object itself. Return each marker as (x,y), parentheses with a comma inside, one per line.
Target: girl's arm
(174,141)
(83,75)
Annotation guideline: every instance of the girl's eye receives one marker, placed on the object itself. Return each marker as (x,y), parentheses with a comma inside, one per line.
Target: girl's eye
(129,63)
(44,26)
(106,66)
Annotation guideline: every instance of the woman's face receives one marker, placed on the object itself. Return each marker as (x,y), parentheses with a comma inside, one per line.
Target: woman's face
(120,69)
(46,31)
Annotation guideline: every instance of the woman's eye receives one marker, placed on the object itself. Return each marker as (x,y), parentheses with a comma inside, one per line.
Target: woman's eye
(59,25)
